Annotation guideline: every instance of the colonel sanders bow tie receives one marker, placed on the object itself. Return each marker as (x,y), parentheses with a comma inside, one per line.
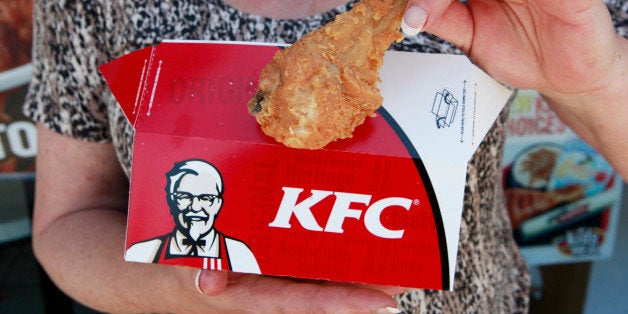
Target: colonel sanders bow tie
(195,245)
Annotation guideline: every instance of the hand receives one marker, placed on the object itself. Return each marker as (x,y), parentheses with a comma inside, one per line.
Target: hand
(242,292)
(566,50)
(551,46)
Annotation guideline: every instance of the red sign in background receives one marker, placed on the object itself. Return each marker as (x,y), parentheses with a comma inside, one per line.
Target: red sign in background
(17,134)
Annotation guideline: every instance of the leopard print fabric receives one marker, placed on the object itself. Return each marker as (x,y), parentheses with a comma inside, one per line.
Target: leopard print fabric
(68,95)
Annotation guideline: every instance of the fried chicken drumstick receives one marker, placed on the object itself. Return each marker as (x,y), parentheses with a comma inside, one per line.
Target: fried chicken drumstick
(322,87)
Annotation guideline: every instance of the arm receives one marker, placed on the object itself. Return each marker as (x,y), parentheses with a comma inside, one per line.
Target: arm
(566,50)
(78,236)
(600,117)
(79,227)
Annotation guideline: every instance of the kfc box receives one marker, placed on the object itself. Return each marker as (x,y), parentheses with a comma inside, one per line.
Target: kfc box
(210,190)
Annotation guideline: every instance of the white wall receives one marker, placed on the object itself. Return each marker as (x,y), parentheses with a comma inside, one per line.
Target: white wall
(608,280)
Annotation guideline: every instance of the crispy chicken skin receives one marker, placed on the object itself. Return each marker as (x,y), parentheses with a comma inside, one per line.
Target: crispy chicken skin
(322,87)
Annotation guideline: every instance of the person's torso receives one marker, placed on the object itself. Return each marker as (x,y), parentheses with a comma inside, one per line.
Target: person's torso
(485,232)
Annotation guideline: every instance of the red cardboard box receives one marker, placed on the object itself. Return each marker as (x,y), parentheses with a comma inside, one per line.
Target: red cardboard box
(210,190)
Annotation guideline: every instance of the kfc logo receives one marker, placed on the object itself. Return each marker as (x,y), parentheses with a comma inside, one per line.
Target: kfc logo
(341,209)
(194,194)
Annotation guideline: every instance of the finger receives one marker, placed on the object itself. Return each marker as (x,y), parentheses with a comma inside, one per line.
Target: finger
(315,297)
(211,282)
(447,19)
(333,298)
(389,290)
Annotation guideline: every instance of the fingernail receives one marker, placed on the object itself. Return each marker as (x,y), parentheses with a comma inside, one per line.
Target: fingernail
(413,20)
(197,281)
(388,310)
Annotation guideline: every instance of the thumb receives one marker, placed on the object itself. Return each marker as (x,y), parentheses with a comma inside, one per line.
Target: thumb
(211,282)
(447,19)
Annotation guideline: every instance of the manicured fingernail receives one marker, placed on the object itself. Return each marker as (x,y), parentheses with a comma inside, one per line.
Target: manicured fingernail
(413,20)
(388,310)
(197,281)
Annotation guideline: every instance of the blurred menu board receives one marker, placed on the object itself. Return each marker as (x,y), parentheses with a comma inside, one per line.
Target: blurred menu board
(562,196)
(18,138)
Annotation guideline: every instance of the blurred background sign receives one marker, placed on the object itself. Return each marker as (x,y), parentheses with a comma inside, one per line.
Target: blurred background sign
(563,197)
(18,138)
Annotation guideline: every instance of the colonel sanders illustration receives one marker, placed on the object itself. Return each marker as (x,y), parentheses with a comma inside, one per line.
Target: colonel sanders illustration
(194,191)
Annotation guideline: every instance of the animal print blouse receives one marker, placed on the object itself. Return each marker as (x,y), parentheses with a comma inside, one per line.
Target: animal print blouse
(69,96)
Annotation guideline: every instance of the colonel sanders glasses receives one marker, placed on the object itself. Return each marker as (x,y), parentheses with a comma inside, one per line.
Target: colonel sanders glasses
(184,199)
